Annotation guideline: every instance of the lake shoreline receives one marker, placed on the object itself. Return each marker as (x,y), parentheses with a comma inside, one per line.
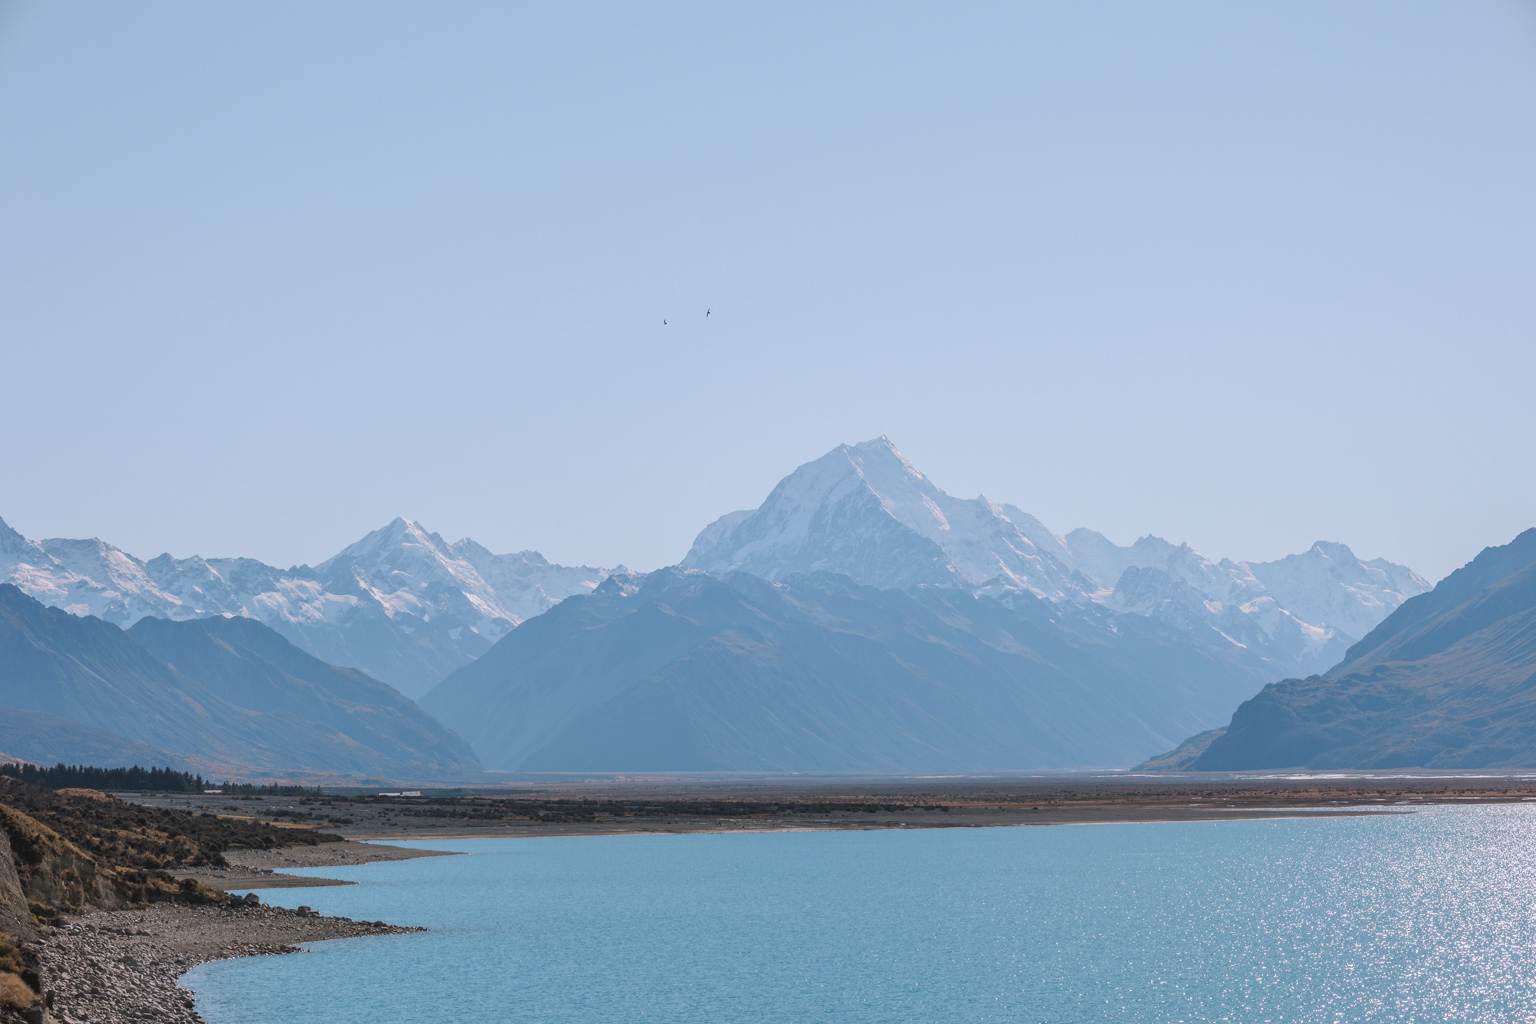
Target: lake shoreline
(124,966)
(1109,815)
(671,804)
(976,873)
(267,869)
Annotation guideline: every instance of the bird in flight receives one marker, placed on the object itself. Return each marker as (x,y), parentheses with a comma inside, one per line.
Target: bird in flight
(706,312)
(663,323)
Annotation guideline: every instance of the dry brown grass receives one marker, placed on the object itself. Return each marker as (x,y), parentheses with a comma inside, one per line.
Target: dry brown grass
(130,835)
(31,839)
(304,825)
(59,876)
(81,850)
(15,994)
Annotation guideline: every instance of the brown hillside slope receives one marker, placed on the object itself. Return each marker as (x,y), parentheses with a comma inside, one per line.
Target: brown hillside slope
(72,851)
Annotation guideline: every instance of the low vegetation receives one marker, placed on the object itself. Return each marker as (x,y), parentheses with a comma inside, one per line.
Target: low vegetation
(135,779)
(18,979)
(152,838)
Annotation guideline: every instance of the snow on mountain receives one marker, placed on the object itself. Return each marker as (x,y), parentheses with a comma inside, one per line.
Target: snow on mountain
(85,577)
(1105,562)
(401,604)
(525,582)
(1327,593)
(1039,534)
(865,511)
(411,573)
(1258,625)
(1327,583)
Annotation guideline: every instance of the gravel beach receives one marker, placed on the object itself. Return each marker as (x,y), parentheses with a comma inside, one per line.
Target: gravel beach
(121,967)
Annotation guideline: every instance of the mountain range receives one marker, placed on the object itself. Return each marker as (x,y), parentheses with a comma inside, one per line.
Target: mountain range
(862,618)
(866,512)
(219,696)
(682,670)
(1448,680)
(401,604)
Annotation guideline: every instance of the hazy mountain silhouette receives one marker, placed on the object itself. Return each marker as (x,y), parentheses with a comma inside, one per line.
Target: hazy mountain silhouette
(683,670)
(217,695)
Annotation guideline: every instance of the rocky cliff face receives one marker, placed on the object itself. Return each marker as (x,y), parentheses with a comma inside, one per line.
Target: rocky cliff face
(39,871)
(53,872)
(15,918)
(18,977)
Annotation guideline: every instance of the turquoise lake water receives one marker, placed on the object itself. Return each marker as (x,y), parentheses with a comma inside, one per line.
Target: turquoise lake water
(1410,918)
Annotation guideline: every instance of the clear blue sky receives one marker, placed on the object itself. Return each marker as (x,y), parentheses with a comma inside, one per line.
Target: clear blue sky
(1242,274)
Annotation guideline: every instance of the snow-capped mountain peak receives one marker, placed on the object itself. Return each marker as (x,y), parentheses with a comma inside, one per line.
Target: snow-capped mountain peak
(401,603)
(1327,583)
(396,540)
(409,570)
(13,544)
(864,510)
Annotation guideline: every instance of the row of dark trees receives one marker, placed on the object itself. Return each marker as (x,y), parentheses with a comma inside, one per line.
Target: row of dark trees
(149,780)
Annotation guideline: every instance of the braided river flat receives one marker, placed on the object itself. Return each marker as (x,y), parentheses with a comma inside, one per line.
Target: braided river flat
(1393,917)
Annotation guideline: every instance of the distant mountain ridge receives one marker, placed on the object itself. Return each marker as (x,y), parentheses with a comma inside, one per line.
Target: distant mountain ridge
(683,670)
(221,696)
(402,604)
(859,619)
(865,511)
(1446,681)
(863,619)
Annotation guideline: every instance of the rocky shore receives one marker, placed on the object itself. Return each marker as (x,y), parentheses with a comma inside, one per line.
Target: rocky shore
(121,967)
(104,904)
